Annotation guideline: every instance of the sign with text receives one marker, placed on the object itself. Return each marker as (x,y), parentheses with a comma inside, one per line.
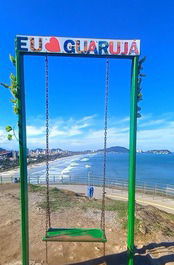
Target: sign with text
(75,46)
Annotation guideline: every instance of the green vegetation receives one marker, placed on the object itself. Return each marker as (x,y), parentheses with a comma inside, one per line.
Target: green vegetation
(12,87)
(36,188)
(148,219)
(110,205)
(137,225)
(60,199)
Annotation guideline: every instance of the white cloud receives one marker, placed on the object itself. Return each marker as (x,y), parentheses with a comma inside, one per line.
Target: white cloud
(3,136)
(88,118)
(151,123)
(54,131)
(5,143)
(61,132)
(34,131)
(87,133)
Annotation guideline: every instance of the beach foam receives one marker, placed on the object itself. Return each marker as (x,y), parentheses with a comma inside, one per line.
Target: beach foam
(87,166)
(84,159)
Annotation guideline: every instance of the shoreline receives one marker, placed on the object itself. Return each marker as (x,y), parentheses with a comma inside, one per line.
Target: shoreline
(76,166)
(13,172)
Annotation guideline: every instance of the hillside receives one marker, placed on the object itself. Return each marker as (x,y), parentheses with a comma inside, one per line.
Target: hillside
(2,150)
(116,149)
(69,209)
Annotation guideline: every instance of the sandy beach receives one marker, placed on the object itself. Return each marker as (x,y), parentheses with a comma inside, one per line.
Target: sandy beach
(15,172)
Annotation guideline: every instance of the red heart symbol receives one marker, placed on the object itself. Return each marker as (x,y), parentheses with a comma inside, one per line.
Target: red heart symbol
(53,45)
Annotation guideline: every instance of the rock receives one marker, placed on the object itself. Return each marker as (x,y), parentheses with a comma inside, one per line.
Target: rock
(116,249)
(143,229)
(97,248)
(71,258)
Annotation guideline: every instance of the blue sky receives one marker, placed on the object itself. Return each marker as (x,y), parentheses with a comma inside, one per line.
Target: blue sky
(77,84)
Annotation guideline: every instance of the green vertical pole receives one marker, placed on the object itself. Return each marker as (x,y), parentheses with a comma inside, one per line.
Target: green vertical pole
(22,159)
(132,161)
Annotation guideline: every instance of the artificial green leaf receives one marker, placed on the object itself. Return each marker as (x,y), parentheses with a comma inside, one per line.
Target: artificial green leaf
(8,128)
(12,59)
(139,99)
(12,77)
(16,109)
(139,69)
(14,84)
(13,100)
(14,92)
(10,136)
(4,85)
(141,61)
(139,80)
(139,88)
(143,75)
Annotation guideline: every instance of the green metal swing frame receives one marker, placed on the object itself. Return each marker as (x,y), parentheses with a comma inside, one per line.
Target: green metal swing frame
(23,148)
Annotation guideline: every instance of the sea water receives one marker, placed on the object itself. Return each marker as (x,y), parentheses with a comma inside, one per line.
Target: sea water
(151,168)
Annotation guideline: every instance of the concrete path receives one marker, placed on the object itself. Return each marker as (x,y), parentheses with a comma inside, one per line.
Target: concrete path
(160,202)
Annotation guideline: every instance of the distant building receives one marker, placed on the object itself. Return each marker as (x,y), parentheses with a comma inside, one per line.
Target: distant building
(14,155)
(5,154)
(39,152)
(161,152)
(139,151)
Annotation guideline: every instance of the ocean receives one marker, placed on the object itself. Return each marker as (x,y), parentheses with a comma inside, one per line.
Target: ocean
(151,168)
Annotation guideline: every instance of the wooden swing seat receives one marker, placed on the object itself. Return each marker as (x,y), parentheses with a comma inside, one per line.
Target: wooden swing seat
(75,235)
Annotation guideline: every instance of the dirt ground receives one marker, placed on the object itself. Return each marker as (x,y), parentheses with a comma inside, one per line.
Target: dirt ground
(63,253)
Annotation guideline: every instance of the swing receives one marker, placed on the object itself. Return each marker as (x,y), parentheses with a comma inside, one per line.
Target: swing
(75,234)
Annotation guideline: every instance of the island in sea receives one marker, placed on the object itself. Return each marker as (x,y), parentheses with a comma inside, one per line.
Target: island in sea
(121,149)
(156,151)
(116,149)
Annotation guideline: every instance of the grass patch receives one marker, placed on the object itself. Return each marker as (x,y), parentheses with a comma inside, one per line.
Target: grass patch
(110,205)
(59,199)
(62,198)
(120,207)
(137,225)
(36,188)
(148,220)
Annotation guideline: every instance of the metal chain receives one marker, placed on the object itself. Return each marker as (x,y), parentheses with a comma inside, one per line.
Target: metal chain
(105,146)
(48,219)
